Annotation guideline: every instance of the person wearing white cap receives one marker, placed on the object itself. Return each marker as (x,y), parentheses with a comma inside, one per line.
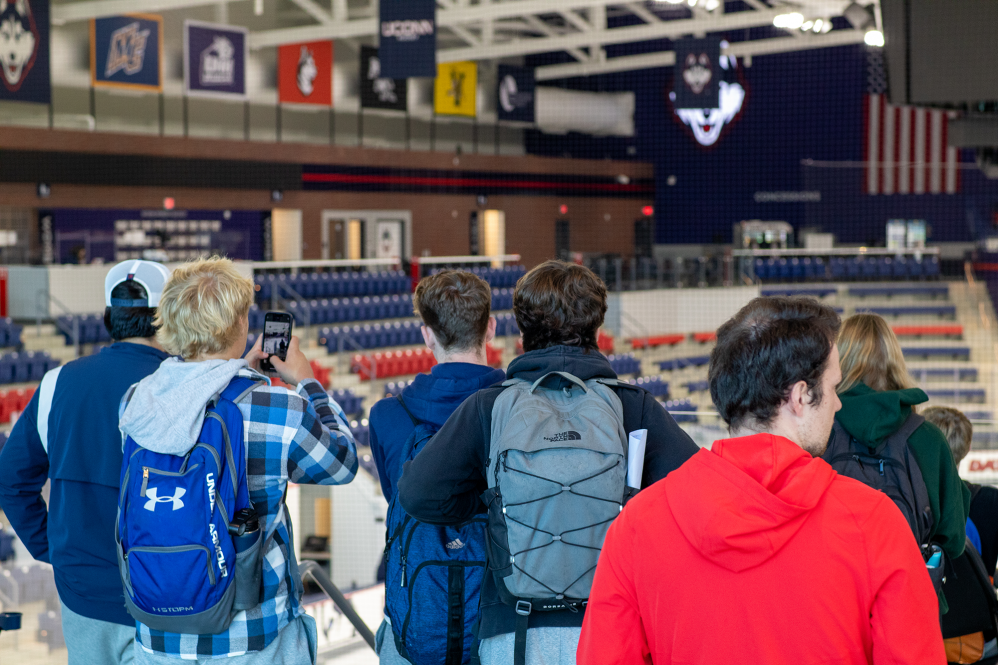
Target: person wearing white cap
(69,435)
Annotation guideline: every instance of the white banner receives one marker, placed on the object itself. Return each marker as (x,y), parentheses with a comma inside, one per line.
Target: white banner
(981,467)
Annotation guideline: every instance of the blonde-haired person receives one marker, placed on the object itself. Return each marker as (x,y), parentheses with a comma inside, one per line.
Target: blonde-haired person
(298,436)
(959,432)
(878,394)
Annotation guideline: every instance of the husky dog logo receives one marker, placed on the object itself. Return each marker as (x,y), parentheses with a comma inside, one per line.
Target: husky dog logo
(570,435)
(697,72)
(128,50)
(307,71)
(383,88)
(152,494)
(218,62)
(18,42)
(707,124)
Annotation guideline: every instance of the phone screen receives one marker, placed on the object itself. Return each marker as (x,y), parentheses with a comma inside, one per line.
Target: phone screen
(276,337)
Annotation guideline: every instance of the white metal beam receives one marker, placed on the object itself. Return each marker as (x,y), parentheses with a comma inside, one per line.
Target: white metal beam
(668,58)
(639,33)
(582,24)
(466,35)
(81,11)
(312,8)
(543,28)
(643,12)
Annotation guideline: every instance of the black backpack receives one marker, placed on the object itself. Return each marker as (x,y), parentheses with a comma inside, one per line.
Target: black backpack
(973,607)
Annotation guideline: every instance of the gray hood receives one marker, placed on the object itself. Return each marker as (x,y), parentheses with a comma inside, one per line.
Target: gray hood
(167,408)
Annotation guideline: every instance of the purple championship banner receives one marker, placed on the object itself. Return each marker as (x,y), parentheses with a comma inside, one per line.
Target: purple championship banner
(214,60)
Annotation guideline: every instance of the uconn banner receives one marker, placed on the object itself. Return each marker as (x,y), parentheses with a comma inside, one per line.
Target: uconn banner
(408,39)
(214,60)
(24,51)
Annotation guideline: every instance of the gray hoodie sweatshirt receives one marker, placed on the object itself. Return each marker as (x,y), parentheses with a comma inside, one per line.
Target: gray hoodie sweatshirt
(167,408)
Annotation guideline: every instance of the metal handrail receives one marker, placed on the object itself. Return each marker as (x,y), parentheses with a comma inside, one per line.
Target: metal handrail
(313,570)
(40,297)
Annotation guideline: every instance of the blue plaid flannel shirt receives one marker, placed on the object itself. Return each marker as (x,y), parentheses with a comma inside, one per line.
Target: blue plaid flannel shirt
(300,437)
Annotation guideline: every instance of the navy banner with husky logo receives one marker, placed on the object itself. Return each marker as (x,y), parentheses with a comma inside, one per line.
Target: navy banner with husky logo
(516,93)
(24,51)
(408,38)
(126,52)
(698,73)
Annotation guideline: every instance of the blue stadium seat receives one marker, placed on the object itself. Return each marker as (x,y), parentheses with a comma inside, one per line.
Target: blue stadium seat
(955,352)
(946,373)
(680,363)
(916,310)
(888,291)
(697,386)
(653,384)
(977,395)
(677,407)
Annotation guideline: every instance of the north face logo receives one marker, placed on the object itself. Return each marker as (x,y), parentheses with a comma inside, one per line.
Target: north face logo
(152,492)
(570,435)
(455,544)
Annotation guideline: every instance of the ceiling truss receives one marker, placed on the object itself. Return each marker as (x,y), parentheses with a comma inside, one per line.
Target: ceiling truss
(498,29)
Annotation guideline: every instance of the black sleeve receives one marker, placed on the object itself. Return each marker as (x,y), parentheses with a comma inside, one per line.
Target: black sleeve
(984,513)
(667,447)
(443,483)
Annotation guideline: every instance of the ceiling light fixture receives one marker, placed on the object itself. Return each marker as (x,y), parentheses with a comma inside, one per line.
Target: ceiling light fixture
(874,38)
(791,21)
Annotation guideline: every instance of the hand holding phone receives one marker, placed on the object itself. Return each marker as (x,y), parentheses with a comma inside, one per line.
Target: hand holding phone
(276,337)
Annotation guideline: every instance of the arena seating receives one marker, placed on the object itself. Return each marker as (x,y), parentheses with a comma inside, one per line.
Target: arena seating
(92,330)
(819,292)
(498,278)
(912,310)
(955,352)
(370,336)
(362,434)
(680,363)
(978,395)
(506,326)
(393,363)
(10,333)
(14,401)
(807,269)
(697,386)
(656,341)
(25,367)
(954,373)
(331,284)
(979,415)
(704,337)
(907,290)
(675,407)
(624,364)
(348,401)
(653,384)
(929,331)
(336,310)
(393,388)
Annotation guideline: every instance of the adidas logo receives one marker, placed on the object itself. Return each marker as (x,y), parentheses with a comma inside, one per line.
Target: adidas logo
(455,544)
(570,435)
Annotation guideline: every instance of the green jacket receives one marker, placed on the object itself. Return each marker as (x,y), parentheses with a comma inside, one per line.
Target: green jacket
(872,416)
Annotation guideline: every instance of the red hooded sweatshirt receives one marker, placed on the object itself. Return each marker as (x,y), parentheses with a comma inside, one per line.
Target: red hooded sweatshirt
(755,552)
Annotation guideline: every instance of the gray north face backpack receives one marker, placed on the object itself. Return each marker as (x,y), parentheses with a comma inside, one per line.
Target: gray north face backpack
(557,472)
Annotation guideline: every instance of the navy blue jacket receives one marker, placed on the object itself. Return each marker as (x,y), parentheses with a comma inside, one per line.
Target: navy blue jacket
(75,533)
(431,398)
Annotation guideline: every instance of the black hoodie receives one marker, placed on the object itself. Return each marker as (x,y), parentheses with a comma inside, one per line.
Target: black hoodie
(442,484)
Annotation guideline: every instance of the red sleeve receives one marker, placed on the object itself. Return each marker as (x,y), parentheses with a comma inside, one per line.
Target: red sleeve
(612,632)
(905,613)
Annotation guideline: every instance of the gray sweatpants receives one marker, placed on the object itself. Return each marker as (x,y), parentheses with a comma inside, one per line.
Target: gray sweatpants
(96,642)
(545,646)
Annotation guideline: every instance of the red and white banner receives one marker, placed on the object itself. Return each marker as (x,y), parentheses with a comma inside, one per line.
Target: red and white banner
(980,466)
(305,73)
(906,151)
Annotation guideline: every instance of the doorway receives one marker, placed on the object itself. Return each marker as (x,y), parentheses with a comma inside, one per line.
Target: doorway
(366,234)
(562,239)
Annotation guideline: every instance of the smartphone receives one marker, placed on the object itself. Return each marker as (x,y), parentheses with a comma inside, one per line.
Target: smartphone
(276,337)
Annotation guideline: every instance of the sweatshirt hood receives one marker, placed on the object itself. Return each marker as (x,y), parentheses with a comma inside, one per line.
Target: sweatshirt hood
(872,416)
(741,501)
(433,397)
(166,410)
(583,364)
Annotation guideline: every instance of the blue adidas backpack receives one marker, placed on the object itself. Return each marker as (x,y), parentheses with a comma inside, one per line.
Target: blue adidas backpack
(176,554)
(433,577)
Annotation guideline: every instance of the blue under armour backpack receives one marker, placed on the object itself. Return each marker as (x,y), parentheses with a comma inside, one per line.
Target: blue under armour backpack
(177,556)
(433,577)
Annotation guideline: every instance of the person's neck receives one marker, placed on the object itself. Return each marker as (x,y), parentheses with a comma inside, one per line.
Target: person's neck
(776,428)
(142,341)
(476,357)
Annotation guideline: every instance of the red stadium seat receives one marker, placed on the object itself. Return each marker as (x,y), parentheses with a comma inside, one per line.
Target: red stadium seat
(929,331)
(657,340)
(604,341)
(705,337)
(493,355)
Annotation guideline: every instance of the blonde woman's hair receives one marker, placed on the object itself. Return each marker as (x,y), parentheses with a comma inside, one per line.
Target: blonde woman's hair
(955,427)
(201,308)
(869,353)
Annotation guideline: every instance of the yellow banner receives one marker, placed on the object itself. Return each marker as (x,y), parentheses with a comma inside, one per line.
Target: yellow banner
(456,89)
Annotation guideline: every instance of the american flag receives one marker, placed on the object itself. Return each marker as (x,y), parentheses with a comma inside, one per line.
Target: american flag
(905,147)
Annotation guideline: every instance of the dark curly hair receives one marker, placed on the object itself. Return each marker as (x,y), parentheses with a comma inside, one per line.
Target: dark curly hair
(129,322)
(766,348)
(559,303)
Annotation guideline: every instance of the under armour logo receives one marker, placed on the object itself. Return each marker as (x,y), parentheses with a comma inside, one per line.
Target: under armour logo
(153,499)
(455,544)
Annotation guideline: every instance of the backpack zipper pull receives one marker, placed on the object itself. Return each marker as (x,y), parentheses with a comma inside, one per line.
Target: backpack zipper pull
(145,481)
(403,571)
(881,467)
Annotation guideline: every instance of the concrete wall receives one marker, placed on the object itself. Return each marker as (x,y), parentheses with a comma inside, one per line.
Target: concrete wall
(667,311)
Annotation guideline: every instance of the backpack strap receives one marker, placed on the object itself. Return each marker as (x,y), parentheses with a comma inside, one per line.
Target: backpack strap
(913,422)
(411,417)
(974,488)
